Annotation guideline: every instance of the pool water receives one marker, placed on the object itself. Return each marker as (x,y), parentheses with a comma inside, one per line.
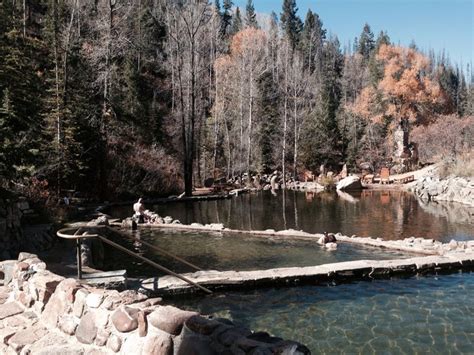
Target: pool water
(229,251)
(418,315)
(424,315)
(369,213)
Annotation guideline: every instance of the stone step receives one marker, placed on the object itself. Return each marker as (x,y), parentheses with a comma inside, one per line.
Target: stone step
(108,279)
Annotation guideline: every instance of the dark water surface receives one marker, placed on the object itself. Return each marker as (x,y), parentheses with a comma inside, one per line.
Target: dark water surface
(386,214)
(425,315)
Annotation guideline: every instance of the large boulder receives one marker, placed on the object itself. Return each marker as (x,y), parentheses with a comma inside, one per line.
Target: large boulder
(349,183)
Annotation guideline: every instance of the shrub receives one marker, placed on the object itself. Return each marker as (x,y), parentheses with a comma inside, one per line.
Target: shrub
(462,165)
(447,137)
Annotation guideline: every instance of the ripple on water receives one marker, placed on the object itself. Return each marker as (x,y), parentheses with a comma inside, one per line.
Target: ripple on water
(414,315)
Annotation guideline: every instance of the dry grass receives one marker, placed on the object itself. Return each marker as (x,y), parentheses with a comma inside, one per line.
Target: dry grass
(327,181)
(448,137)
(462,165)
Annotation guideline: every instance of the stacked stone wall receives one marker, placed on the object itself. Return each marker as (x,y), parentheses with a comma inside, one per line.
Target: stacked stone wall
(43,313)
(15,234)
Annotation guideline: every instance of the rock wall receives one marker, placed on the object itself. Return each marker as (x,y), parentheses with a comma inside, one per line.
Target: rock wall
(455,189)
(43,313)
(14,235)
(11,234)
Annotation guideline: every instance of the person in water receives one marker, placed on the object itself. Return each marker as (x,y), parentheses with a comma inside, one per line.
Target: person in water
(139,209)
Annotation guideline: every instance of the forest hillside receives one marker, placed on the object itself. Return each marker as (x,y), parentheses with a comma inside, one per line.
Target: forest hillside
(121,98)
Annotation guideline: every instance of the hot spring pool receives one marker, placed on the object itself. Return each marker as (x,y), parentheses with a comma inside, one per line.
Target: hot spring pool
(228,251)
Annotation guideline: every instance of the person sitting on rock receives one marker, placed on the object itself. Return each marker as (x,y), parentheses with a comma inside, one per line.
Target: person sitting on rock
(139,209)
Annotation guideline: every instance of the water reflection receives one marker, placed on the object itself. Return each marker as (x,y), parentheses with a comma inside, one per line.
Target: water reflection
(387,214)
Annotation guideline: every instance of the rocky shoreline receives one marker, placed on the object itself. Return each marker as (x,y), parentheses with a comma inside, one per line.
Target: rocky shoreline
(44,313)
(451,189)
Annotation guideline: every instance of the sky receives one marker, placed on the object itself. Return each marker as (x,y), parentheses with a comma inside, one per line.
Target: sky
(437,24)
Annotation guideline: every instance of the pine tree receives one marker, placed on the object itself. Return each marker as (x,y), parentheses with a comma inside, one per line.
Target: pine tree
(268,103)
(450,82)
(312,39)
(250,15)
(217,5)
(273,42)
(236,22)
(462,93)
(366,42)
(226,22)
(290,22)
(321,141)
(20,113)
(383,38)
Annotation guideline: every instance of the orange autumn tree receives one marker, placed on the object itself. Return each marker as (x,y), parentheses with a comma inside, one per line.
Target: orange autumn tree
(405,92)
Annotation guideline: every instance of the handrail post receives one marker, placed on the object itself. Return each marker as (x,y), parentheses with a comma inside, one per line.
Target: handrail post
(79,258)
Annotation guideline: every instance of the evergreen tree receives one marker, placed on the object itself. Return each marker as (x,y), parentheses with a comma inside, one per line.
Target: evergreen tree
(273,42)
(268,103)
(450,83)
(250,15)
(236,22)
(290,22)
(366,42)
(312,39)
(322,143)
(217,5)
(20,113)
(355,45)
(382,38)
(462,93)
(226,18)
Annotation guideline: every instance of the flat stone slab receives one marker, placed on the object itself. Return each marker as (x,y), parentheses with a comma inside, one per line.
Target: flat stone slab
(10,309)
(111,279)
(26,337)
(294,275)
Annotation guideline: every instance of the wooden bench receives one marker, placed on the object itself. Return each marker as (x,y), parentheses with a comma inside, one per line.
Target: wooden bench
(404,180)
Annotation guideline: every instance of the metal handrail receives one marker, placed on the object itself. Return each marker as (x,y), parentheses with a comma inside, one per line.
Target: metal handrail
(154,247)
(62,234)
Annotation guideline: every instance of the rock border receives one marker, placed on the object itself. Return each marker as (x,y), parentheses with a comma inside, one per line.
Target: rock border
(44,313)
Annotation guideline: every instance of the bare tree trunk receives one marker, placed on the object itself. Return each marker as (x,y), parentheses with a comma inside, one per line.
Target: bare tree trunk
(229,152)
(24,18)
(285,118)
(57,95)
(139,51)
(295,143)
(241,148)
(249,151)
(66,53)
